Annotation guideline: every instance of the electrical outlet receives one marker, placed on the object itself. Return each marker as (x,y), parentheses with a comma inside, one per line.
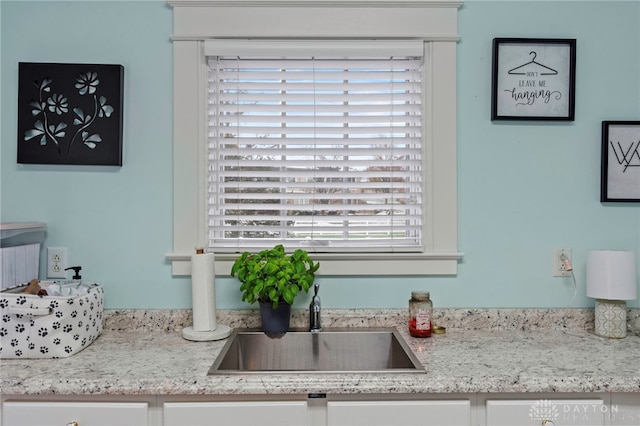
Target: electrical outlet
(559,265)
(56,262)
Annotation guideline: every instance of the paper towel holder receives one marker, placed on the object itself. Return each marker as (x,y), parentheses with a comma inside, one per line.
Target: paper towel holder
(221,332)
(204,306)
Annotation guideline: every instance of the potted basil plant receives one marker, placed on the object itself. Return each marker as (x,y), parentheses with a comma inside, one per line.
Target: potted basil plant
(274,279)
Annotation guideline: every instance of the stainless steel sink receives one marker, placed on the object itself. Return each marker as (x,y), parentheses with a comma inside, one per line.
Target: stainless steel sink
(355,350)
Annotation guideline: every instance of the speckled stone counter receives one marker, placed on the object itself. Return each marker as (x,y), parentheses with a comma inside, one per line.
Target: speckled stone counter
(143,353)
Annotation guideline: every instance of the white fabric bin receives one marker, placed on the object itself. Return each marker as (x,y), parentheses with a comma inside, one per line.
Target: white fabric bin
(49,326)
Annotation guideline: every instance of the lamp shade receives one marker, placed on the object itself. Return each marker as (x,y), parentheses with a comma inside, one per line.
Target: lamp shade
(611,275)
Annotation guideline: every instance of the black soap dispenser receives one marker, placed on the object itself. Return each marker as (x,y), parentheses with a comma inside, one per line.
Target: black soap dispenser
(76,273)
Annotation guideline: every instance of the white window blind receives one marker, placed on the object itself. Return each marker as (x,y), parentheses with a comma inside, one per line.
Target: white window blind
(315,152)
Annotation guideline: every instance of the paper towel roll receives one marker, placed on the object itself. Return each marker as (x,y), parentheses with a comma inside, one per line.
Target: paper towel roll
(203,291)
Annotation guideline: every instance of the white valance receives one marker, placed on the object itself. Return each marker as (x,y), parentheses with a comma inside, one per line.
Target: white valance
(313,48)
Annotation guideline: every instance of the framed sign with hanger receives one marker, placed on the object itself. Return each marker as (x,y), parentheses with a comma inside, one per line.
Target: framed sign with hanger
(533,79)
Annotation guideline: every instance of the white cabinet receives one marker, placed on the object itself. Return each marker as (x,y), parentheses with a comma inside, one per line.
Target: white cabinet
(346,411)
(399,413)
(549,412)
(43,413)
(513,409)
(244,413)
(625,409)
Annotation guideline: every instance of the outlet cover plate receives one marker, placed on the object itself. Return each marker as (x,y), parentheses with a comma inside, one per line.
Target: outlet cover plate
(56,262)
(559,269)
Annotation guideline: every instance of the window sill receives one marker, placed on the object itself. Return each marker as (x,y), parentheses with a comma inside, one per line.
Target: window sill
(333,264)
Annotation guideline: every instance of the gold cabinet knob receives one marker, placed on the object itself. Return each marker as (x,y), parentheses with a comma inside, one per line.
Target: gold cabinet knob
(73,424)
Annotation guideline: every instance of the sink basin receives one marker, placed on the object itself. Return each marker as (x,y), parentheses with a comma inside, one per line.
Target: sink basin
(333,350)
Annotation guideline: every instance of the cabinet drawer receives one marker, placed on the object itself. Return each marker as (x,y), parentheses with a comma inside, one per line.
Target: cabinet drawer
(556,412)
(250,413)
(399,413)
(83,413)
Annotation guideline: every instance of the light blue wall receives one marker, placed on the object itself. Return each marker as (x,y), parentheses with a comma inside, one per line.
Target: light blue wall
(524,188)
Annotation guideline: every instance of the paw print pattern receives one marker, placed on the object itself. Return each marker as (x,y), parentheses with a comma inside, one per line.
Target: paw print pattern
(75,324)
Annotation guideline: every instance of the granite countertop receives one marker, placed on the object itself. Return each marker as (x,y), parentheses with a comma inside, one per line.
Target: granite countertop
(143,353)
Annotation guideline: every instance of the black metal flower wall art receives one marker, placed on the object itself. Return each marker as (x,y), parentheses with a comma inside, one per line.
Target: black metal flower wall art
(70,114)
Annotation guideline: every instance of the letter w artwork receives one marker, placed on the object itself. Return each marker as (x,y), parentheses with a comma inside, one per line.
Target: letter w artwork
(627,154)
(620,161)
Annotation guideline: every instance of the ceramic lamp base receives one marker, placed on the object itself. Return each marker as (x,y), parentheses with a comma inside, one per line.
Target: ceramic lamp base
(221,332)
(611,318)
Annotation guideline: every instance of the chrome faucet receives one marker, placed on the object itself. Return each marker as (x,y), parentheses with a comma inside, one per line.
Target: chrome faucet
(314,311)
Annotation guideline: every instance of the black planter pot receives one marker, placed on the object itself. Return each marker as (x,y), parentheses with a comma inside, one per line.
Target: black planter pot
(275,321)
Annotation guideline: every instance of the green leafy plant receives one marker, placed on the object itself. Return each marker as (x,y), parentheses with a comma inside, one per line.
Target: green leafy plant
(272,275)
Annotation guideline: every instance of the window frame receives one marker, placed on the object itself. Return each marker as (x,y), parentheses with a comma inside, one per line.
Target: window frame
(433,22)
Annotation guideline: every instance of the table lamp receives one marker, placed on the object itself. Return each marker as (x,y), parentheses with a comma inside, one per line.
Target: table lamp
(611,280)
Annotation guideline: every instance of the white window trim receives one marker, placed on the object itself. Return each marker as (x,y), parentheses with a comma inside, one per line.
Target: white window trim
(434,22)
